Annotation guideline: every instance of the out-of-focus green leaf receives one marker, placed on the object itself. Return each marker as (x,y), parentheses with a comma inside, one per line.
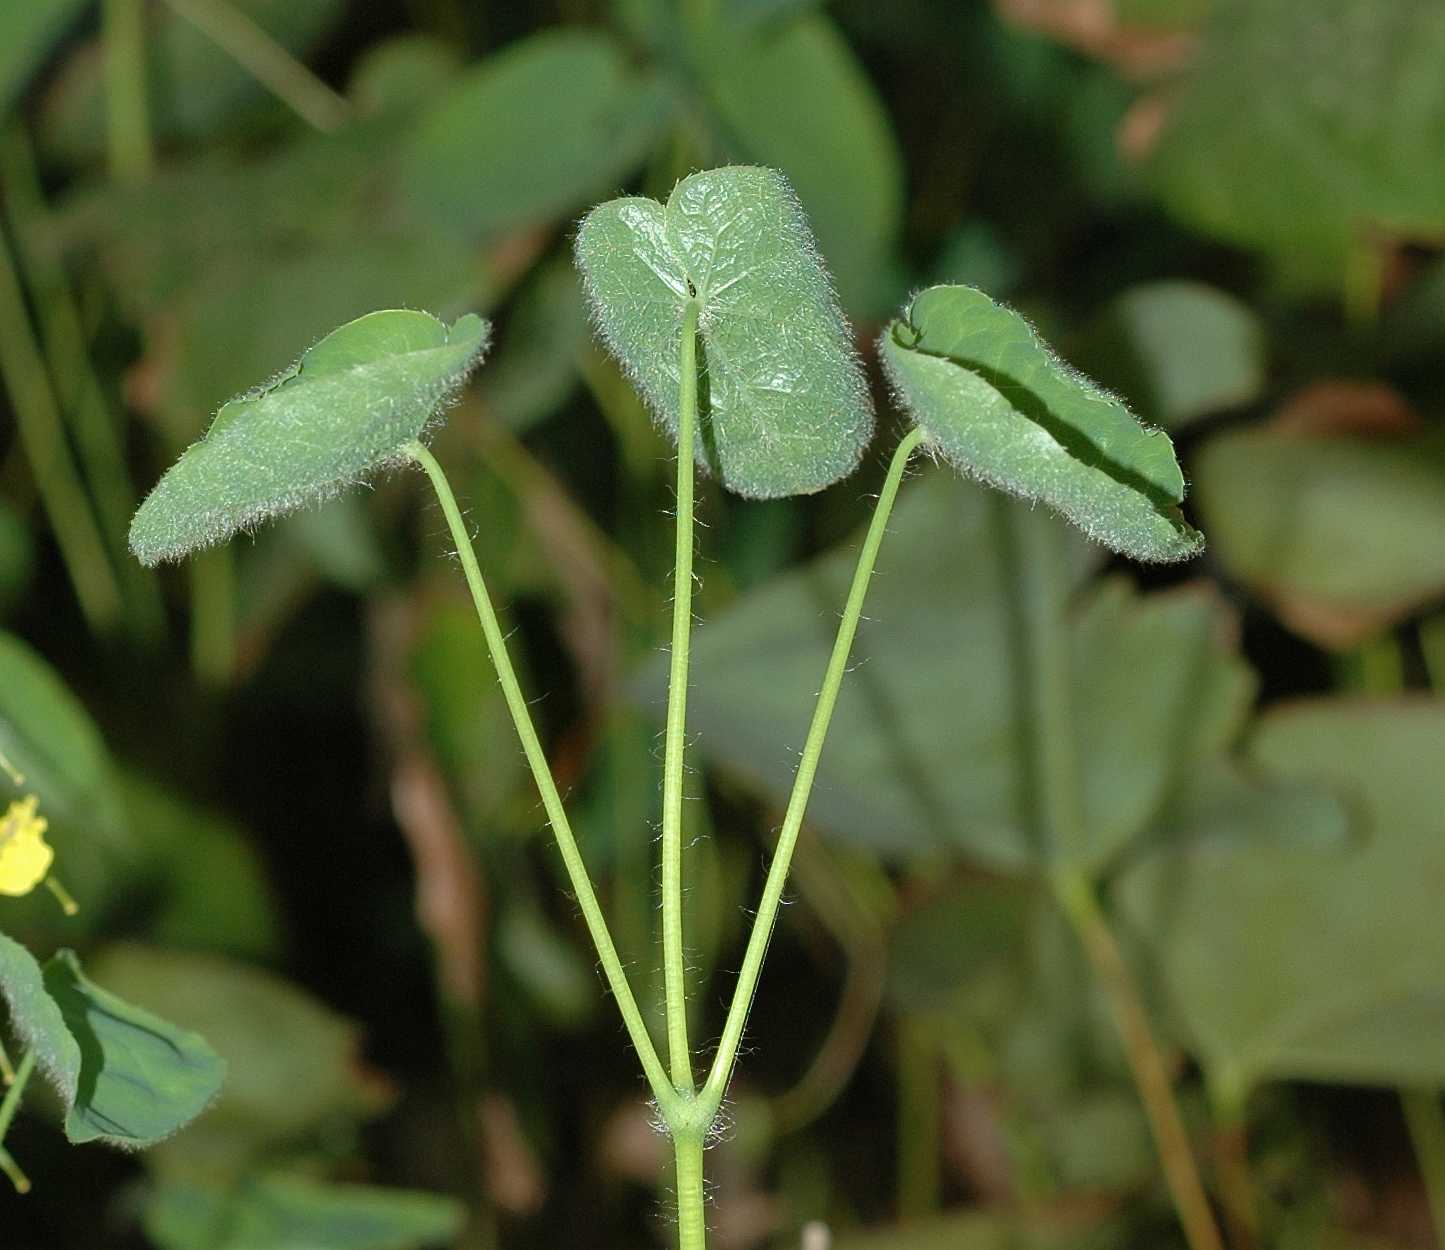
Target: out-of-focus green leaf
(1003,408)
(465,715)
(984,1231)
(1343,536)
(1342,127)
(1177,351)
(941,945)
(49,737)
(17,555)
(548,966)
(288,1212)
(535,366)
(37,1020)
(241,323)
(785,409)
(402,73)
(27,33)
(339,539)
(1299,963)
(931,744)
(194,87)
(211,886)
(293,1063)
(347,408)
(977,255)
(532,134)
(795,97)
(141,1078)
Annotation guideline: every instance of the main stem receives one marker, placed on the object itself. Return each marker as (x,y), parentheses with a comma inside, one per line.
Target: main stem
(662,1089)
(722,1066)
(674,965)
(1062,818)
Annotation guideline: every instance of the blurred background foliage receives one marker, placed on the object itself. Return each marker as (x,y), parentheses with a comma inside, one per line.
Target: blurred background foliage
(282,782)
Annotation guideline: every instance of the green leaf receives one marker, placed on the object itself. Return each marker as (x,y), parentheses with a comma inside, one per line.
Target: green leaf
(1346,122)
(1178,350)
(27,33)
(347,408)
(280,1212)
(17,556)
(49,737)
(1290,962)
(535,368)
(1341,535)
(141,1079)
(932,742)
(37,1020)
(795,97)
(293,1063)
(1001,407)
(785,408)
(209,881)
(532,134)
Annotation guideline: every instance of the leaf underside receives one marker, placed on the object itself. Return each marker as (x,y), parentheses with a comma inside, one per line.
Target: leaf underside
(347,408)
(1001,407)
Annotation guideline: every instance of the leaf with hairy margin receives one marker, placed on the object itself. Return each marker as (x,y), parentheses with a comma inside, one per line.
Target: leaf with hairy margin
(347,408)
(784,407)
(140,1078)
(1001,407)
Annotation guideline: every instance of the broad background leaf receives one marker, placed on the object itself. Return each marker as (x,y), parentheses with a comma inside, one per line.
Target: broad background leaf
(532,133)
(1177,351)
(1343,535)
(295,1212)
(293,1063)
(794,96)
(1306,963)
(1342,127)
(930,746)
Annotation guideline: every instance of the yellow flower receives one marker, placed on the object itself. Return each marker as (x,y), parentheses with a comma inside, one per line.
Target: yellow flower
(24,855)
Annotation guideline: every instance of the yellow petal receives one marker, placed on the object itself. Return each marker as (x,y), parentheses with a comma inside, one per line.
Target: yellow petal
(25,857)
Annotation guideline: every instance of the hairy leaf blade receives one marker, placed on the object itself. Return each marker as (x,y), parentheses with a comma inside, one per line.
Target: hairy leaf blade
(37,1020)
(1001,407)
(345,409)
(785,408)
(141,1078)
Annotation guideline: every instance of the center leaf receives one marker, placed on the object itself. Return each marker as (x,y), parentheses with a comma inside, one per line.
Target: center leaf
(783,404)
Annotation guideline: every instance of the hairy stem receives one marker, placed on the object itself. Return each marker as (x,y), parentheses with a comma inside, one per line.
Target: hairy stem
(722,1066)
(687,1149)
(662,1090)
(674,967)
